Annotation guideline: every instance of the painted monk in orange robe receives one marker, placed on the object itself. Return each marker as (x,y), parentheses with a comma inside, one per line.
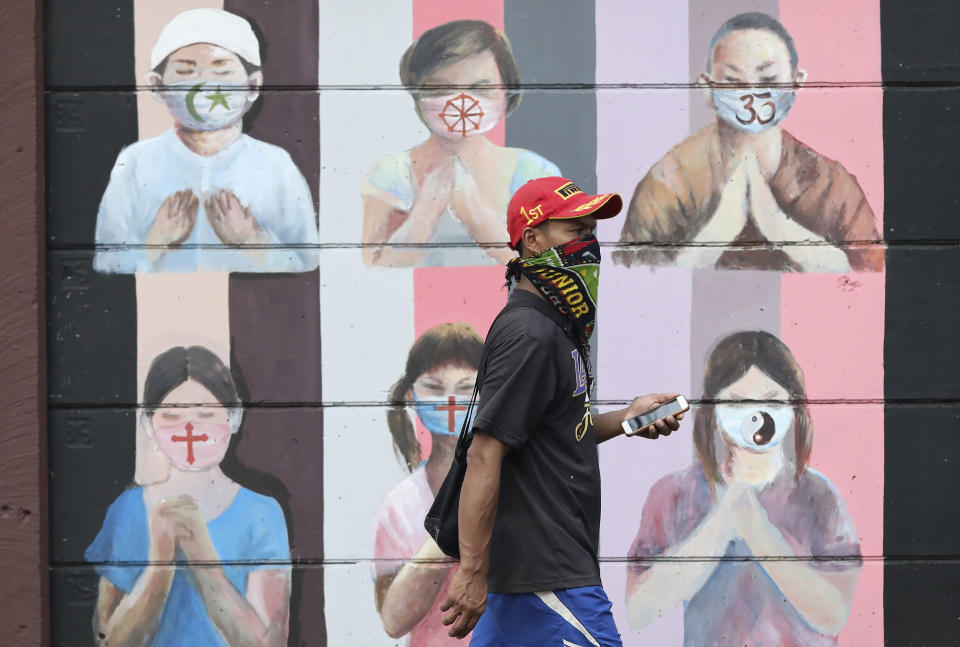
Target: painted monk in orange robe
(744,182)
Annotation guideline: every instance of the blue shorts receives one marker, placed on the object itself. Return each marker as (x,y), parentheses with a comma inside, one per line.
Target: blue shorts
(577,617)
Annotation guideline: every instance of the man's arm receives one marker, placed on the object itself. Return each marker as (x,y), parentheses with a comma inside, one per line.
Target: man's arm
(608,425)
(467,595)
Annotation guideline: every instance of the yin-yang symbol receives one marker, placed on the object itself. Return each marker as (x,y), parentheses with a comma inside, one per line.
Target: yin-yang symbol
(759,427)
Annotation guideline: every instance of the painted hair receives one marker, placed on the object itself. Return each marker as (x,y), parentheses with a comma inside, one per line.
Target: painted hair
(450,343)
(453,42)
(729,361)
(754,20)
(173,367)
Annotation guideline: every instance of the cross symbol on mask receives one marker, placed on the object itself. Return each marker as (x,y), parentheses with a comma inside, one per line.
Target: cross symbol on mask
(451,408)
(189,439)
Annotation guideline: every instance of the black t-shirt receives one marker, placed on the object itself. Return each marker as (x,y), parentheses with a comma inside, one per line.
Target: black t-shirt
(534,398)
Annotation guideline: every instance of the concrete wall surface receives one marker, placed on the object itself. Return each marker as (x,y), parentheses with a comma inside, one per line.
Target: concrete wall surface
(274,244)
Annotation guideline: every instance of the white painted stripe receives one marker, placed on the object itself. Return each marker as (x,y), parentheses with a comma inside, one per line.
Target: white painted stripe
(570,644)
(361,43)
(551,600)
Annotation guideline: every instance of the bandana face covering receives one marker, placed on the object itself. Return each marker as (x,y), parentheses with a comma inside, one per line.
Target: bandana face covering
(568,276)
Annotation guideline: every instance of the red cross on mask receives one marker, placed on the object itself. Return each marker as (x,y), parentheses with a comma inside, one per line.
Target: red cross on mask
(190,439)
(451,408)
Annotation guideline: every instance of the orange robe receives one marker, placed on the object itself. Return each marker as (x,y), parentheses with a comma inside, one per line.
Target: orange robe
(680,192)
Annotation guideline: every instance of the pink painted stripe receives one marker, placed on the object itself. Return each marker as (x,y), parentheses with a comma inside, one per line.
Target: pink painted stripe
(840,42)
(472,295)
(430,13)
(835,325)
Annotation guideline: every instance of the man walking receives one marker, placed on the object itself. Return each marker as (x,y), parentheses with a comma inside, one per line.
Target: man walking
(529,517)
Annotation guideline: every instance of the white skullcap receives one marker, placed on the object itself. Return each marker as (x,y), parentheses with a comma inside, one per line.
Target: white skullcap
(213,26)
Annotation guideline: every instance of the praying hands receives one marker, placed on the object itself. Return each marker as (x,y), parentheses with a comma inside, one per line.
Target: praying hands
(748,198)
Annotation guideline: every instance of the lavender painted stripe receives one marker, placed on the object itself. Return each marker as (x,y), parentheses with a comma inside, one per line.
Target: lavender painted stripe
(644,342)
(644,326)
(638,42)
(641,41)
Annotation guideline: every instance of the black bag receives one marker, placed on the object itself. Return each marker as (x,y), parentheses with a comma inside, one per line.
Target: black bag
(441,521)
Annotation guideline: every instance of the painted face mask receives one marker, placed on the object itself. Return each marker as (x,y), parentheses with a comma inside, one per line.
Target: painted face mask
(206,106)
(443,416)
(193,445)
(458,116)
(754,428)
(753,110)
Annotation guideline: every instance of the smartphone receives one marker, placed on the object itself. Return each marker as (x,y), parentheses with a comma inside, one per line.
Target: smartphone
(669,408)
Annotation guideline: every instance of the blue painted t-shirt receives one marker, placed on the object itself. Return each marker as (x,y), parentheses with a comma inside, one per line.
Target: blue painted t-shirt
(248,535)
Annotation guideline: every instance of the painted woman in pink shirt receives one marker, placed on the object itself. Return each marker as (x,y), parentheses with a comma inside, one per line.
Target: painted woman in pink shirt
(750,495)
(411,574)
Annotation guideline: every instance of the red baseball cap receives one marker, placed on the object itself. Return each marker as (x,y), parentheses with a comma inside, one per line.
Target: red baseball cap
(549,198)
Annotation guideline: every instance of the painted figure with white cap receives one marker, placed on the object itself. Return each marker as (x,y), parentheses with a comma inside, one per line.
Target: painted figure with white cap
(203,195)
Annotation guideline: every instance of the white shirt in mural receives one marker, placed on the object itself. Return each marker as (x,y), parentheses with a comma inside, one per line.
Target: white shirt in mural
(262,176)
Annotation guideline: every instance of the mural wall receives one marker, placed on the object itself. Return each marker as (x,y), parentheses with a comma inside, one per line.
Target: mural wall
(275,197)
(750,224)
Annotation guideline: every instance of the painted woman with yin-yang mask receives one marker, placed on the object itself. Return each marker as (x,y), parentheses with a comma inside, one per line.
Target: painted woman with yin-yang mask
(230,584)
(750,494)
(455,186)
(439,379)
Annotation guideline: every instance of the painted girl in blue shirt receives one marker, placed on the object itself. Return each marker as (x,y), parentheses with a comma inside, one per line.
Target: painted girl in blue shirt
(196,559)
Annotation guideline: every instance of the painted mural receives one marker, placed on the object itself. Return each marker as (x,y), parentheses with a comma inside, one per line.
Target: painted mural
(218,227)
(230,575)
(744,180)
(204,195)
(750,492)
(411,574)
(431,114)
(454,187)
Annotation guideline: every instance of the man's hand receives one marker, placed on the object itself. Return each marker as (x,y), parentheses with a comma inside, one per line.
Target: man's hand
(466,601)
(659,428)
